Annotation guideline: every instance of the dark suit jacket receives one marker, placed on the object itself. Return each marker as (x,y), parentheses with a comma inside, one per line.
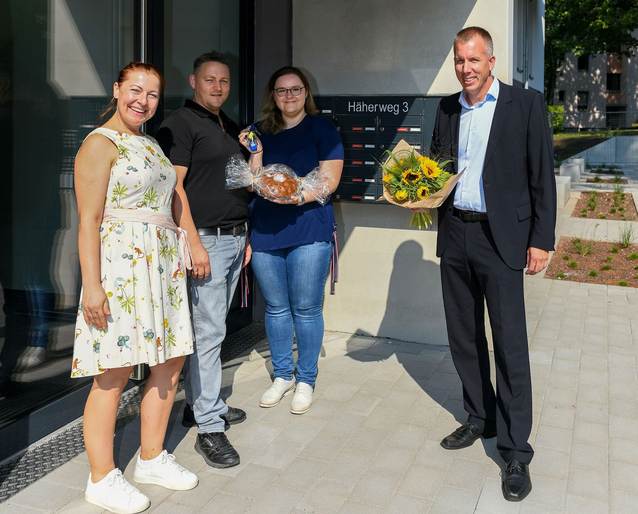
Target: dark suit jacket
(518,172)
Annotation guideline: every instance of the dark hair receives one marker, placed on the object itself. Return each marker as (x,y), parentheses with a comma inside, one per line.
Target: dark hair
(271,119)
(469,32)
(212,56)
(121,77)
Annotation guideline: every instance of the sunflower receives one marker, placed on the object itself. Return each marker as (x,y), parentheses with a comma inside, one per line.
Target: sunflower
(422,193)
(401,195)
(410,176)
(387,178)
(430,167)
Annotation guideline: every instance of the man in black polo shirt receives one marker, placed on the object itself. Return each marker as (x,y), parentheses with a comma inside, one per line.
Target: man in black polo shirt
(199,138)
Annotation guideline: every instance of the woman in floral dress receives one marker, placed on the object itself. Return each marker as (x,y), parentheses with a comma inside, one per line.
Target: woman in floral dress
(134,306)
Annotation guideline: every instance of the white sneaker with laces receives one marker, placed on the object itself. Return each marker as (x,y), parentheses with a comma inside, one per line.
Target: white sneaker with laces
(165,471)
(302,400)
(279,388)
(116,494)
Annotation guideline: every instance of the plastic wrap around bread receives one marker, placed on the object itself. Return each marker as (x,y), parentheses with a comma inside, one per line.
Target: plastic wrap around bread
(276,181)
(280,182)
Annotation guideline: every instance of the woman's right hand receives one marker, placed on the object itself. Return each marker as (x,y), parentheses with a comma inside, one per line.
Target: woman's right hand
(95,307)
(245,141)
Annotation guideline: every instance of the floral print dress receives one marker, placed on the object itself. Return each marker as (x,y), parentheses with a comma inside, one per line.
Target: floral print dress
(141,269)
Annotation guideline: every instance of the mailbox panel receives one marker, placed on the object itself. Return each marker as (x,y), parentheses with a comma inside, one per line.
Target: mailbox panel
(371,125)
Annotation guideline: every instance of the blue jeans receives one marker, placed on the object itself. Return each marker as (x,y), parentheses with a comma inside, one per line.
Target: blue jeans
(210,301)
(292,281)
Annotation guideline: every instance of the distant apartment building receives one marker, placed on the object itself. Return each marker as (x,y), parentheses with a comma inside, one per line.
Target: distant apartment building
(598,91)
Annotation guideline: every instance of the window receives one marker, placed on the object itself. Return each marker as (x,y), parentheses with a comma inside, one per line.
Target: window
(616,116)
(561,96)
(582,97)
(583,63)
(58,61)
(192,27)
(613,82)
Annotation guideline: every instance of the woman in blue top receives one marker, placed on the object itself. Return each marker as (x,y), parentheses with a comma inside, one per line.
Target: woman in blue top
(292,240)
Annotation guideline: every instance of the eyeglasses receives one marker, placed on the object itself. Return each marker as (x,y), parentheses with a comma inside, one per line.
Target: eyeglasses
(294,91)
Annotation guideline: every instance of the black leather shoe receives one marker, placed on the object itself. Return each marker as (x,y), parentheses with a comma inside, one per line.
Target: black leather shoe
(465,436)
(516,483)
(216,450)
(232,417)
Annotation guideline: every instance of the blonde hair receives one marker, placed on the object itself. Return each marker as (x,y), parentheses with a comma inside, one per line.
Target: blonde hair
(469,32)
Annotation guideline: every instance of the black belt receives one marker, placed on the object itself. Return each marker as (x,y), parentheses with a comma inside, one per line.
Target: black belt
(237,230)
(469,215)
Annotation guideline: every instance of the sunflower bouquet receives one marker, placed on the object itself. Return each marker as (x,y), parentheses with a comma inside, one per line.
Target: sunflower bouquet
(415,181)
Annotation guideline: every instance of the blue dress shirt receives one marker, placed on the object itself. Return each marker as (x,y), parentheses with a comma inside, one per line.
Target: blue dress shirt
(474,132)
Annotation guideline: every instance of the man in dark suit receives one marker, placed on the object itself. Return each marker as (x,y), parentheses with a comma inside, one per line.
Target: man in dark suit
(499,220)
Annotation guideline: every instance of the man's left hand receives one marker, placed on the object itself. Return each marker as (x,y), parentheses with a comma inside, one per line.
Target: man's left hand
(536,260)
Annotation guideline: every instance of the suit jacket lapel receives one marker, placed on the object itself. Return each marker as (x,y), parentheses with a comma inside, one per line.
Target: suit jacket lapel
(498,122)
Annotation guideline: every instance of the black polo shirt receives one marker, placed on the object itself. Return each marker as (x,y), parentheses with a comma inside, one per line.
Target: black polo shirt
(193,137)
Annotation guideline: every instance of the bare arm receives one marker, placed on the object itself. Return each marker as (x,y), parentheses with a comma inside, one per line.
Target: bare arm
(183,217)
(92,170)
(331,171)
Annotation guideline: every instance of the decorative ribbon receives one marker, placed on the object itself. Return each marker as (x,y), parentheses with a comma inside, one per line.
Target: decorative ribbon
(334,262)
(244,285)
(160,219)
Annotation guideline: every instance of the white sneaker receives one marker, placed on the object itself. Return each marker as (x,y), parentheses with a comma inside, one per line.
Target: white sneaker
(276,392)
(165,471)
(302,400)
(116,494)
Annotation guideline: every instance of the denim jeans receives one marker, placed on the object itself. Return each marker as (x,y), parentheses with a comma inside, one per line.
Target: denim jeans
(210,301)
(292,281)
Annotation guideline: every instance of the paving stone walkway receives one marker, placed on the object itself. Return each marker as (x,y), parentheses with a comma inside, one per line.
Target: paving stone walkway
(370,444)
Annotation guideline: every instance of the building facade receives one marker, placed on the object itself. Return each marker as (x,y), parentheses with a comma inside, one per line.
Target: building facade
(598,91)
(58,61)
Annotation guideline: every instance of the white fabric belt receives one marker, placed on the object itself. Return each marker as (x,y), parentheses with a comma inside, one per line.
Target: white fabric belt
(160,219)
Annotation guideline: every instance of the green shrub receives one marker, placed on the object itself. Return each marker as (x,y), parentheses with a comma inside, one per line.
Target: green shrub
(556,117)
(582,248)
(593,273)
(614,249)
(605,267)
(572,264)
(561,276)
(623,283)
(626,235)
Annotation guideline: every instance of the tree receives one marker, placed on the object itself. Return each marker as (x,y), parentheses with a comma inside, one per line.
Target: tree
(586,27)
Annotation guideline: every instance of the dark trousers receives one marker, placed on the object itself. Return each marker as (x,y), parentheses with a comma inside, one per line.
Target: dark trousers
(472,271)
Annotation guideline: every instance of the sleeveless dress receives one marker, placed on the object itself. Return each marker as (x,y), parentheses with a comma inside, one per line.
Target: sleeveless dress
(142,272)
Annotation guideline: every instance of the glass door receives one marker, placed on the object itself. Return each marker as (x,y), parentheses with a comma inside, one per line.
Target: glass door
(58,61)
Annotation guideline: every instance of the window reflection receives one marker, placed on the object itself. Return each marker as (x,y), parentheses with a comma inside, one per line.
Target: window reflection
(58,59)
(192,27)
